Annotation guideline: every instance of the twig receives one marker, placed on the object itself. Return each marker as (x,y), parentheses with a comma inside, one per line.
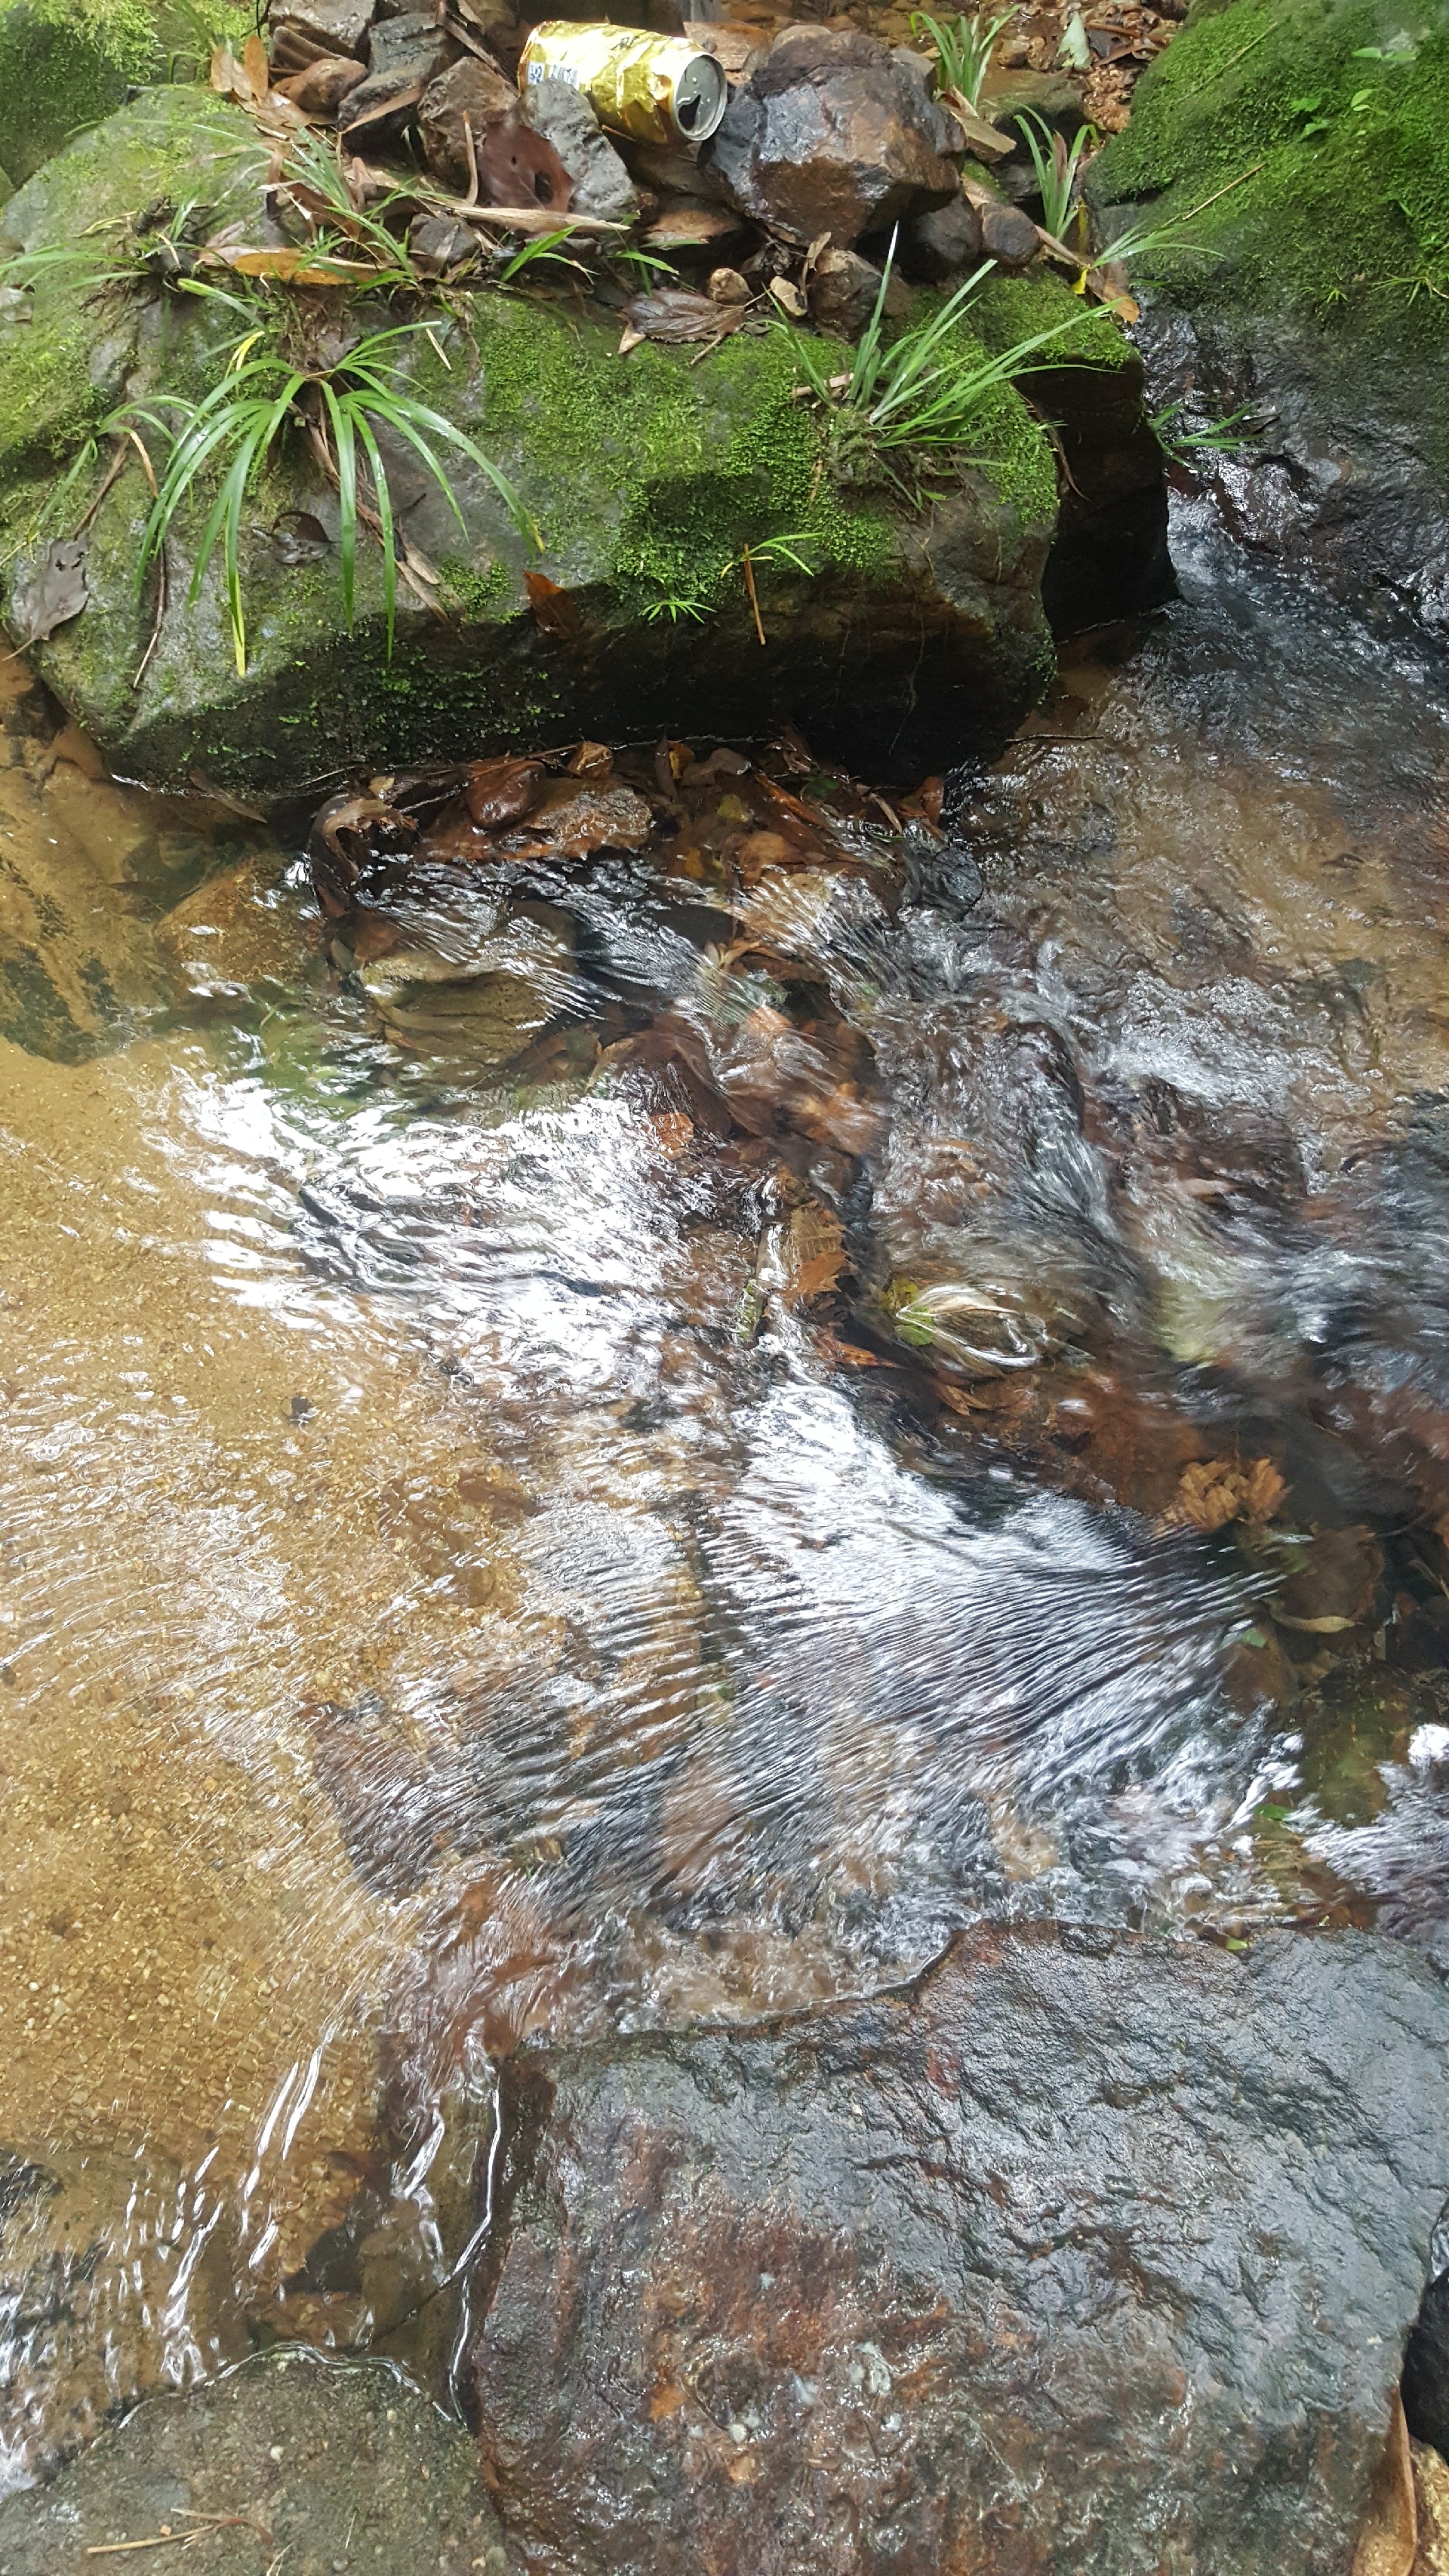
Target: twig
(112,472)
(162,2540)
(472,197)
(528,219)
(749,572)
(158,621)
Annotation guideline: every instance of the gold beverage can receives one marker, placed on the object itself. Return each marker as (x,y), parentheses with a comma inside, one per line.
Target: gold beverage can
(659,89)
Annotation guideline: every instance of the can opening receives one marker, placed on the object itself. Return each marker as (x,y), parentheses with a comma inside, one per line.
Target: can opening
(701,94)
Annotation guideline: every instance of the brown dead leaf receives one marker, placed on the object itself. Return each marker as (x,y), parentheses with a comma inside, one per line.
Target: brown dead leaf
(1212,1492)
(847,1354)
(50,593)
(500,792)
(674,1131)
(1388,2543)
(555,610)
(672,313)
(591,760)
(294,267)
(256,67)
(1431,2496)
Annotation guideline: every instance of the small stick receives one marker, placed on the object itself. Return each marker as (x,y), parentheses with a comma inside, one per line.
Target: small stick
(157,622)
(472,197)
(529,219)
(749,573)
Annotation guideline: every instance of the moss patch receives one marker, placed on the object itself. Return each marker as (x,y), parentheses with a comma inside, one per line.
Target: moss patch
(1334,116)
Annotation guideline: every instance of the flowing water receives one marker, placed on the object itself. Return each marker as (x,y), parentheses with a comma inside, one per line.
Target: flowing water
(859,1376)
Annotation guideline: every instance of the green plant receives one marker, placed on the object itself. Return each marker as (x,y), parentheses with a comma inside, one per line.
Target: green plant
(1223,436)
(270,388)
(919,392)
(962,48)
(1057,169)
(544,247)
(316,182)
(677,606)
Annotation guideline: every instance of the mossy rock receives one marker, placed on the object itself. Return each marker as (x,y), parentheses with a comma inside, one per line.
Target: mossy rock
(1312,136)
(920,635)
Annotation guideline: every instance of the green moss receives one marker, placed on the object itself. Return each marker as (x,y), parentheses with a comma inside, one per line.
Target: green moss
(1320,130)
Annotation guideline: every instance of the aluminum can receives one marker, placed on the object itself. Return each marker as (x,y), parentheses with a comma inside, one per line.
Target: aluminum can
(659,89)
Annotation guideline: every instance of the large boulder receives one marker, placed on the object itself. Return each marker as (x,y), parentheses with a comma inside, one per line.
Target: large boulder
(836,134)
(1086,2252)
(1306,157)
(920,634)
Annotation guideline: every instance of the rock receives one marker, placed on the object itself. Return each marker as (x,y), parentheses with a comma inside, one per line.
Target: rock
(1333,1584)
(1350,475)
(405,55)
(1426,2368)
(917,637)
(341,2467)
(322,87)
(1008,95)
(835,134)
(1084,2251)
(467,88)
(843,291)
(61,69)
(938,245)
(337,26)
(679,173)
(602,186)
(1007,235)
(1111,535)
(686,227)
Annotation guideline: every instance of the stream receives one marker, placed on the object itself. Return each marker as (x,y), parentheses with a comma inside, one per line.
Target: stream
(821,1401)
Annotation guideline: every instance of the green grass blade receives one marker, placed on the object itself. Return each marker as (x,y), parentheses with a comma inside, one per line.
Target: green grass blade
(340,413)
(384,518)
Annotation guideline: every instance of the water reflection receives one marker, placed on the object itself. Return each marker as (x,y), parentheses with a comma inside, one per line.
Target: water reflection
(659,1431)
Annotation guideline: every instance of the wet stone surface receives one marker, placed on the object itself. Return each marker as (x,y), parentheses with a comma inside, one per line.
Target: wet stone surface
(1087,2252)
(288,2462)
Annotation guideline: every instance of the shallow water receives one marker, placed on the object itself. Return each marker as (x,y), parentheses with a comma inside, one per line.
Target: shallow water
(665,1480)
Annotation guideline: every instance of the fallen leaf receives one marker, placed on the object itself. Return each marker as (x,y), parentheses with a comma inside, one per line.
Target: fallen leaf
(500,792)
(554,608)
(1211,1492)
(256,67)
(789,298)
(591,760)
(294,267)
(49,594)
(1388,2543)
(672,313)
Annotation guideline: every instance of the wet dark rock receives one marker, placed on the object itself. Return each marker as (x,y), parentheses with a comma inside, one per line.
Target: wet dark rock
(1111,540)
(327,2467)
(405,54)
(1085,2251)
(1050,96)
(1348,477)
(1333,1583)
(938,245)
(835,134)
(335,26)
(843,292)
(1426,2369)
(602,187)
(1007,235)
(466,89)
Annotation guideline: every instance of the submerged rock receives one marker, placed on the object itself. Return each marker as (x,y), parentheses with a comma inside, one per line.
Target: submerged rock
(835,134)
(286,2459)
(1085,2251)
